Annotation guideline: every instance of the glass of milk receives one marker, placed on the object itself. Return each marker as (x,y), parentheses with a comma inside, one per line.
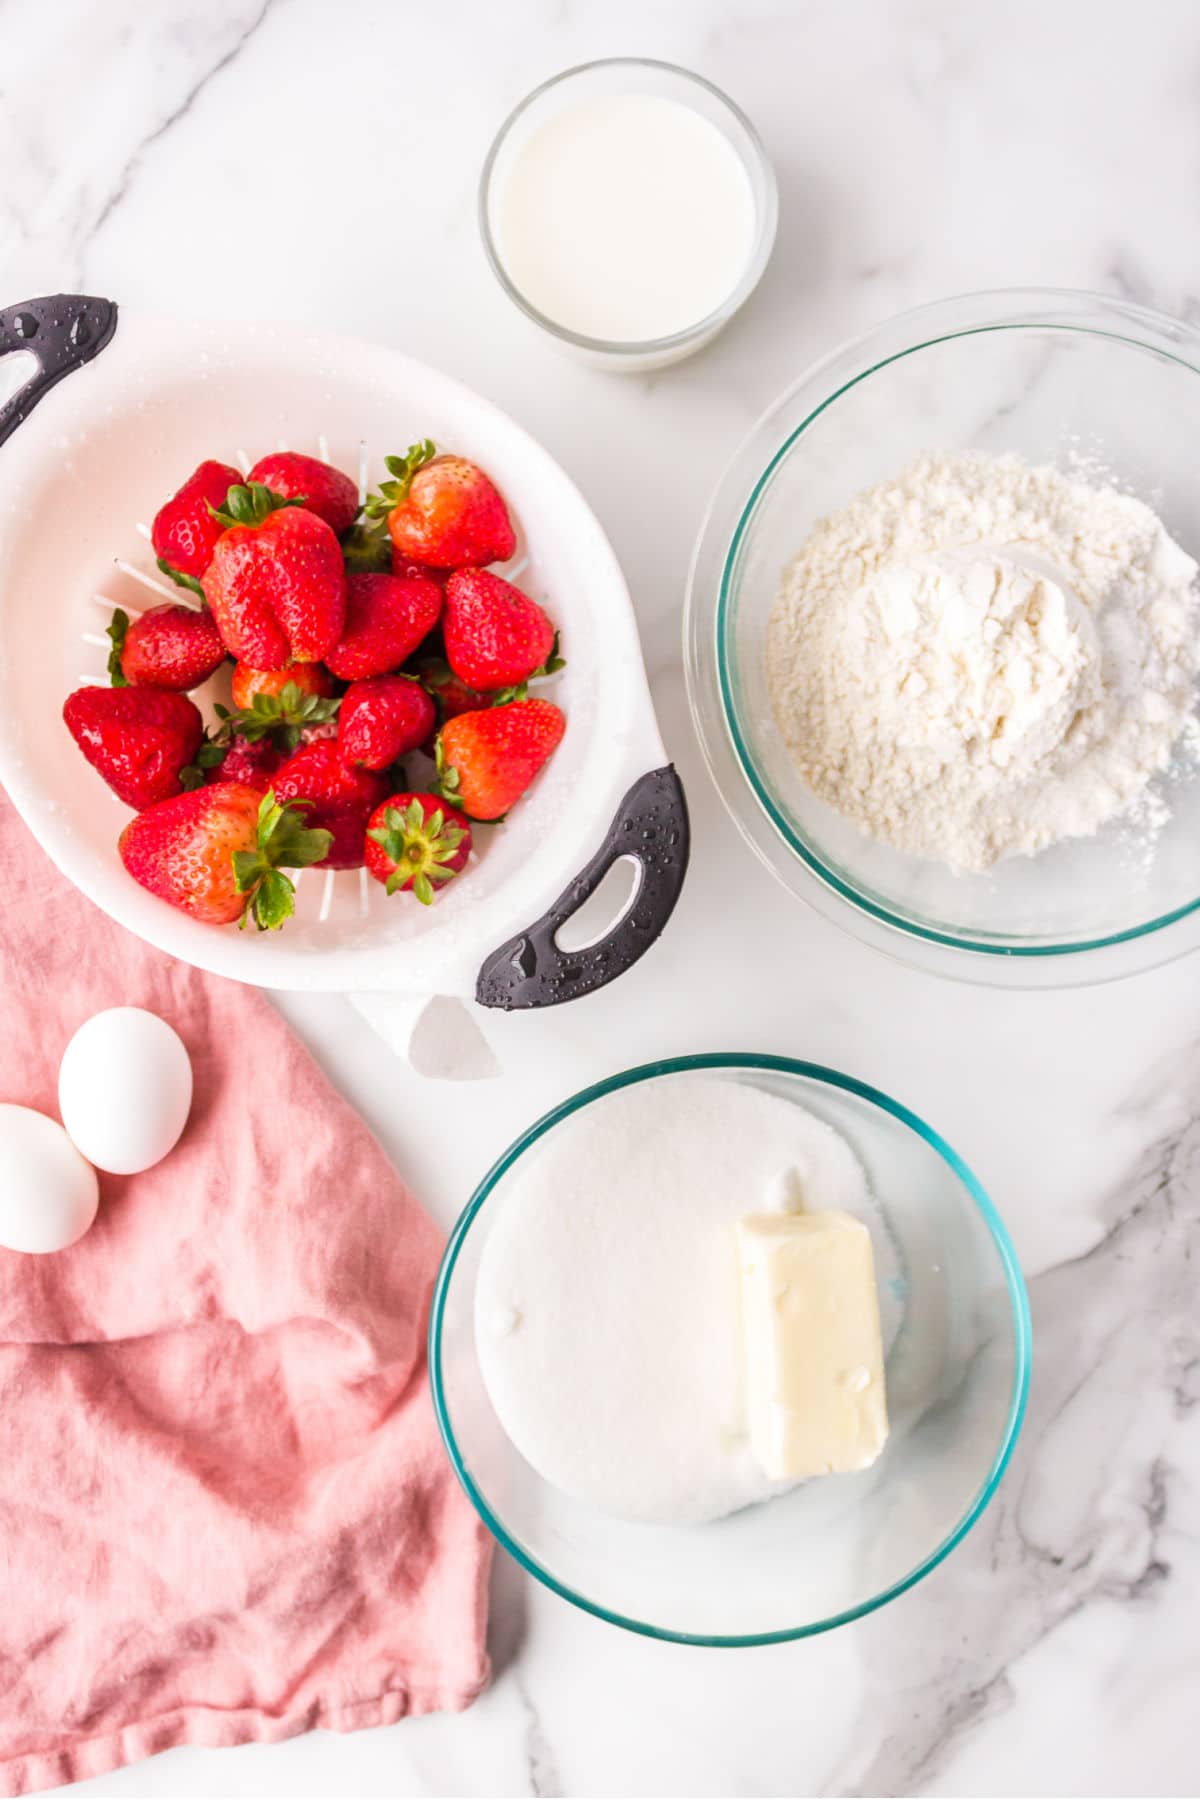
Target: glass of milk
(628,208)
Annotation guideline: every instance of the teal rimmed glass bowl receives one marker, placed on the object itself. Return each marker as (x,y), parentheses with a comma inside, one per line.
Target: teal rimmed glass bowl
(830,1550)
(1054,377)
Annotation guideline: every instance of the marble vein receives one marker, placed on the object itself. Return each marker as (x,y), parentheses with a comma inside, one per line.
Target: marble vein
(1116,1335)
(138,154)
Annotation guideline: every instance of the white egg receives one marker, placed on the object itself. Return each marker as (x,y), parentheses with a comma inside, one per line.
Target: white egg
(125,1089)
(48,1193)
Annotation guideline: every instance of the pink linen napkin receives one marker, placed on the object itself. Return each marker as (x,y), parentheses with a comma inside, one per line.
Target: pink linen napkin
(225,1514)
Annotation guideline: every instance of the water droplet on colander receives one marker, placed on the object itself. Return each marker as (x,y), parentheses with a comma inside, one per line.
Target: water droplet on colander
(80,332)
(25,325)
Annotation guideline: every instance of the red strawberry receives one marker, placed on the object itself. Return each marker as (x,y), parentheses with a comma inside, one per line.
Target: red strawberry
(140,739)
(416,841)
(342,799)
(451,695)
(486,760)
(386,619)
(496,636)
(276,583)
(443,510)
(170,646)
(319,487)
(184,533)
(252,762)
(308,678)
(382,719)
(218,853)
(408,570)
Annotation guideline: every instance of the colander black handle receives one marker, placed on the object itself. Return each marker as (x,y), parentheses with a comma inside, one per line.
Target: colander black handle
(651,826)
(61,332)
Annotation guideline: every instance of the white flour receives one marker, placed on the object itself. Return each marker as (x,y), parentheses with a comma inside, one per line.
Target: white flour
(607,1310)
(981,658)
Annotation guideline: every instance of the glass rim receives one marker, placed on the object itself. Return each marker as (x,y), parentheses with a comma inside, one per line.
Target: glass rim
(993,945)
(765,221)
(1022,1325)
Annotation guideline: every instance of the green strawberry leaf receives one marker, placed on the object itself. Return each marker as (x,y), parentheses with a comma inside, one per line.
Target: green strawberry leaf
(249,503)
(283,839)
(553,663)
(209,756)
(281,717)
(179,578)
(274,900)
(116,631)
(402,468)
(417,844)
(367,550)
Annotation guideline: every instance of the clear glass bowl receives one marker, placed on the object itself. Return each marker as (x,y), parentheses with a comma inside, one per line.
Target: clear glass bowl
(828,1551)
(1050,376)
(634,75)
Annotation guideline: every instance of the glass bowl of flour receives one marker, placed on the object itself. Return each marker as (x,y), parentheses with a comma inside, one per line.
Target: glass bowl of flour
(943,638)
(587,1366)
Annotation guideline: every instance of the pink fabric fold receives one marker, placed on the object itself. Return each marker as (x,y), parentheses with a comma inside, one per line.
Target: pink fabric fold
(225,1514)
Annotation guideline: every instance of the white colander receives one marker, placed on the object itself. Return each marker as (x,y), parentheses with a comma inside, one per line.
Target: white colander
(147,398)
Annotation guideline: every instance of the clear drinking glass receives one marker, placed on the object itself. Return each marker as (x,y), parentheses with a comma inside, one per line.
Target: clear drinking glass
(619,76)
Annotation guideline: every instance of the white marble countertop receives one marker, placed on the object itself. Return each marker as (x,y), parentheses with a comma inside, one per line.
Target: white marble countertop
(283,157)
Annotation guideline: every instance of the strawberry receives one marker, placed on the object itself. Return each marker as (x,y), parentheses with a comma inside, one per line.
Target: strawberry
(341,799)
(496,636)
(184,533)
(450,693)
(306,678)
(276,583)
(317,486)
(140,739)
(382,719)
(170,646)
(486,760)
(386,619)
(416,841)
(408,570)
(250,761)
(219,853)
(443,510)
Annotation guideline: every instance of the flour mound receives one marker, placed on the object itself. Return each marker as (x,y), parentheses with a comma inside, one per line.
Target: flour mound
(982,658)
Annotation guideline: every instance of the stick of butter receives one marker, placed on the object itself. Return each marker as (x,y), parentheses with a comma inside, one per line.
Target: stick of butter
(814,1356)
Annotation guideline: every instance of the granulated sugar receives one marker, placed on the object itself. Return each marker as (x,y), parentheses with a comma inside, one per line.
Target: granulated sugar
(982,658)
(607,1312)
